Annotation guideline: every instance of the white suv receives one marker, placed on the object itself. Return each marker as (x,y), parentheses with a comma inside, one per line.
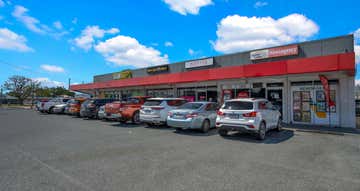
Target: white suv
(248,115)
(155,110)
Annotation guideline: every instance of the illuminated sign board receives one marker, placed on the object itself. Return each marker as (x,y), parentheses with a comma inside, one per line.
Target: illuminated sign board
(122,75)
(158,69)
(274,52)
(199,63)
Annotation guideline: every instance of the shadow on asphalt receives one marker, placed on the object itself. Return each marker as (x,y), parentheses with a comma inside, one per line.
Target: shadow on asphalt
(160,127)
(195,132)
(126,125)
(272,137)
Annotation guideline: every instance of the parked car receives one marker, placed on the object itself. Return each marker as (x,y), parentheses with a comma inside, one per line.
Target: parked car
(101,113)
(126,110)
(248,115)
(91,108)
(193,115)
(155,110)
(74,108)
(50,105)
(40,104)
(60,109)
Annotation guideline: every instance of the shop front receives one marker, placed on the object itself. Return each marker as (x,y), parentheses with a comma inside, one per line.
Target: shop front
(309,105)
(288,76)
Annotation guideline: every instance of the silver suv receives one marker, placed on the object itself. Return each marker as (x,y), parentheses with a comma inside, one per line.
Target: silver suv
(155,110)
(248,115)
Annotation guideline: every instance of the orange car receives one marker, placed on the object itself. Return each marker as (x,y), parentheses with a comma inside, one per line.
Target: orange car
(76,105)
(125,111)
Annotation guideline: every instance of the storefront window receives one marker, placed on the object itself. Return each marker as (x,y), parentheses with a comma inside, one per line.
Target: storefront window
(301,106)
(163,93)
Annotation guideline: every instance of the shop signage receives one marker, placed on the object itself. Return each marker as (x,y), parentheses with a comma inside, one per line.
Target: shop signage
(122,75)
(199,63)
(274,52)
(157,69)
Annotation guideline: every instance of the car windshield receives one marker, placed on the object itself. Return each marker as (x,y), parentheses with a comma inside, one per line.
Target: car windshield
(152,103)
(133,100)
(191,106)
(238,105)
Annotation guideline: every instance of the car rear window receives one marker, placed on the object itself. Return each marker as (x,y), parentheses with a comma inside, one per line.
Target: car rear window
(177,102)
(238,105)
(153,102)
(133,100)
(191,106)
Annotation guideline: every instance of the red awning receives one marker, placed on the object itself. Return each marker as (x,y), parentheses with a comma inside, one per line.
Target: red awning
(336,62)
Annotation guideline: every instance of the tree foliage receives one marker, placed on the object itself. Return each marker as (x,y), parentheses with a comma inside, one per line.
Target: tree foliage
(21,87)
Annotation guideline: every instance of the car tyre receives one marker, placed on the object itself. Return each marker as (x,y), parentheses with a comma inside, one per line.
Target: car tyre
(262,131)
(205,127)
(223,132)
(51,110)
(136,117)
(278,126)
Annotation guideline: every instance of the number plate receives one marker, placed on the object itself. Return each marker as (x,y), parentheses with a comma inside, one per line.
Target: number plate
(233,116)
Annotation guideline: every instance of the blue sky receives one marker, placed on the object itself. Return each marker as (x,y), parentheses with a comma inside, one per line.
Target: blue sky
(52,41)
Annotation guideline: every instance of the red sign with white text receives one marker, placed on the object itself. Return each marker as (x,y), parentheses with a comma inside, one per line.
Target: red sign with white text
(275,52)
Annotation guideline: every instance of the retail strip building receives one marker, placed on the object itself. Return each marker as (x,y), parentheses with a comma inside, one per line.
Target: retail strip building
(288,76)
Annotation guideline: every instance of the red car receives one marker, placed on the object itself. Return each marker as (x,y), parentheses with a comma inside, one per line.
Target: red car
(126,110)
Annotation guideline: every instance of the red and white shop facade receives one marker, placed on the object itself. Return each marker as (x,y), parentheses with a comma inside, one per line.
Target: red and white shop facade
(289,80)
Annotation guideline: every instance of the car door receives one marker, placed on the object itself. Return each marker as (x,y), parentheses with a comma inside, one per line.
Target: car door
(273,114)
(211,113)
(265,113)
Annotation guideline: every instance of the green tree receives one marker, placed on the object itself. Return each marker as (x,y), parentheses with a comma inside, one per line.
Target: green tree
(21,87)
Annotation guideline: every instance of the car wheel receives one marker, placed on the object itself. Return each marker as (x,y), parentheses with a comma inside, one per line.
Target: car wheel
(262,131)
(178,129)
(51,110)
(149,124)
(278,126)
(136,117)
(205,126)
(223,132)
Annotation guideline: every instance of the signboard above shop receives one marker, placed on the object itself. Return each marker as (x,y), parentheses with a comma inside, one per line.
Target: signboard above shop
(199,63)
(122,75)
(275,52)
(157,69)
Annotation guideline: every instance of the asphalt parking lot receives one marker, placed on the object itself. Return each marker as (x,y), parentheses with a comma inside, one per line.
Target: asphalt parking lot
(58,152)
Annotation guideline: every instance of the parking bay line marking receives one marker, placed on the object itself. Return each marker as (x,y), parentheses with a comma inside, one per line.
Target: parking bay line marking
(54,170)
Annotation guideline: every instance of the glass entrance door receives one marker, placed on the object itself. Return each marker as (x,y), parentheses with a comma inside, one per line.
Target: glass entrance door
(276,98)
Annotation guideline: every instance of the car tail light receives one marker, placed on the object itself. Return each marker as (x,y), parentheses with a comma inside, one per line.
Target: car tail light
(157,108)
(220,113)
(251,126)
(251,114)
(192,115)
(170,114)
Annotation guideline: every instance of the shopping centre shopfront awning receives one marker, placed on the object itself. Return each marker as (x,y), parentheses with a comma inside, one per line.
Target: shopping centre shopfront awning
(330,63)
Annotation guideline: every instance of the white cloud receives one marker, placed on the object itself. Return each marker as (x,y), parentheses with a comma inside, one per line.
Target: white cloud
(9,40)
(168,44)
(185,7)
(2,4)
(46,82)
(52,68)
(58,25)
(87,38)
(127,51)
(259,4)
(357,53)
(33,24)
(239,33)
(191,51)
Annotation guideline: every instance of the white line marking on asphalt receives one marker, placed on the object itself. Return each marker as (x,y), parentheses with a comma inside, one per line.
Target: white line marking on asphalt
(56,171)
